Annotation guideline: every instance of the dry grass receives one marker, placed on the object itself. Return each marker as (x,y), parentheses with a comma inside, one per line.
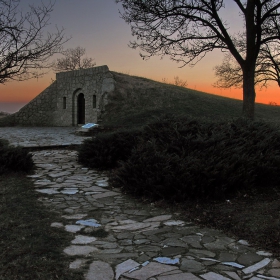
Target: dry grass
(137,101)
(29,247)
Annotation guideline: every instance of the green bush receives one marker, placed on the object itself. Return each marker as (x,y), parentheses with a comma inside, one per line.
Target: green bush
(104,151)
(186,159)
(14,159)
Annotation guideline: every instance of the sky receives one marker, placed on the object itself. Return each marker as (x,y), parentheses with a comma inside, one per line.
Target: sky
(96,26)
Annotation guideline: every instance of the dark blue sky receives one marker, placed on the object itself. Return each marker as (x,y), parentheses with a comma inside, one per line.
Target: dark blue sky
(96,25)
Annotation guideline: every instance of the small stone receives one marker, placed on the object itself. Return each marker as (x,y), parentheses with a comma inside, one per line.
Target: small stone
(77,264)
(243,242)
(166,260)
(69,191)
(233,264)
(158,218)
(175,223)
(263,253)
(74,217)
(105,194)
(275,263)
(141,241)
(57,225)
(89,223)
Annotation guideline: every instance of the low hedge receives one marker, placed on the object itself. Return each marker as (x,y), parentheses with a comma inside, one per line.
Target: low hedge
(181,159)
(104,151)
(14,159)
(189,159)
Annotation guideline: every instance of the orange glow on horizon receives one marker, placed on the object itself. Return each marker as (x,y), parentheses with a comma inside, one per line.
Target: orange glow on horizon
(27,90)
(22,91)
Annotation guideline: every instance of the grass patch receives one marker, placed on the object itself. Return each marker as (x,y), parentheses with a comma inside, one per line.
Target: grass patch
(30,248)
(137,101)
(107,149)
(14,159)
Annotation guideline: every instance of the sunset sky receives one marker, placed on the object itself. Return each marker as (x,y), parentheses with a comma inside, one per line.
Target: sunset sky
(97,26)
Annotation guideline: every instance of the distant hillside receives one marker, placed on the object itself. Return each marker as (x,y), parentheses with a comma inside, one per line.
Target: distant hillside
(3,114)
(137,101)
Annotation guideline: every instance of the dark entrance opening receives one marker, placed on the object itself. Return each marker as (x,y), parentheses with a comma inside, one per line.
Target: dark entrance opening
(81,109)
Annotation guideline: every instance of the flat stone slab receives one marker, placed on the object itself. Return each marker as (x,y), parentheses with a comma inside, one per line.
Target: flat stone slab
(99,270)
(125,267)
(150,270)
(256,266)
(166,260)
(79,250)
(77,264)
(89,223)
(73,228)
(47,191)
(105,194)
(175,223)
(191,265)
(158,218)
(213,276)
(74,217)
(179,276)
(120,235)
(82,239)
(59,174)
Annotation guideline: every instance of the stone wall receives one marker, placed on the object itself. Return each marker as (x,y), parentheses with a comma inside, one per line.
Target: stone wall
(75,98)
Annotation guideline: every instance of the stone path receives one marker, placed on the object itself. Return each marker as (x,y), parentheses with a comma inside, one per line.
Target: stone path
(33,137)
(117,237)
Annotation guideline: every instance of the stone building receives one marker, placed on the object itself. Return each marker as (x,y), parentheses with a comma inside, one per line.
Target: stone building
(74,98)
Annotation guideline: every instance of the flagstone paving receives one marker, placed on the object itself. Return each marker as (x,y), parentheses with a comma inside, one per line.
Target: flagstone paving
(116,237)
(33,137)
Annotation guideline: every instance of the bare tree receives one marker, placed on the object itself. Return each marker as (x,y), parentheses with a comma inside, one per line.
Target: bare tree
(229,73)
(179,82)
(25,45)
(187,30)
(73,60)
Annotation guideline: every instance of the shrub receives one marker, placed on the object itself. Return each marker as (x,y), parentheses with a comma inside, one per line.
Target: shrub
(104,151)
(14,159)
(186,159)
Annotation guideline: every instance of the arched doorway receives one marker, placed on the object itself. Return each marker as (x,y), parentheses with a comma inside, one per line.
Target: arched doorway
(81,109)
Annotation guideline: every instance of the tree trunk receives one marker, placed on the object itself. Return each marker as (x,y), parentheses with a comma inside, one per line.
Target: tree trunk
(249,94)
(249,64)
